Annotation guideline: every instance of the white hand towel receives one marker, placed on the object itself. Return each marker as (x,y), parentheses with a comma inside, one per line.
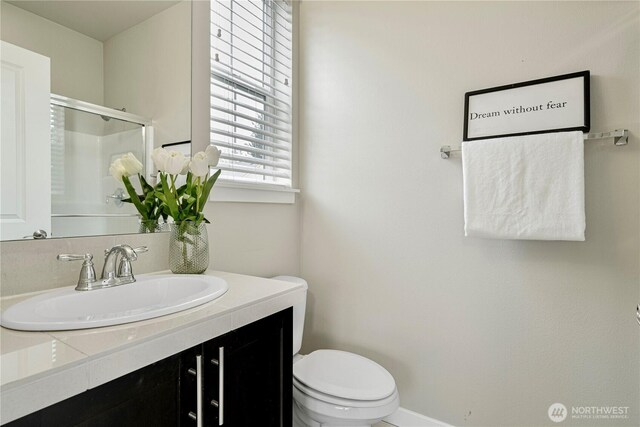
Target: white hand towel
(525,187)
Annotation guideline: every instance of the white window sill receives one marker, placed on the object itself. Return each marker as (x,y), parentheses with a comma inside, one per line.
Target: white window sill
(246,193)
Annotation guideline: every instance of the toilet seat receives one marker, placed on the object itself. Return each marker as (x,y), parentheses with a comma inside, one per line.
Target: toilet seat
(339,401)
(334,374)
(343,413)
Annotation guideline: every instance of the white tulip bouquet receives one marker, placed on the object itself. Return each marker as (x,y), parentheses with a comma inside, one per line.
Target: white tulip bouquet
(184,203)
(147,204)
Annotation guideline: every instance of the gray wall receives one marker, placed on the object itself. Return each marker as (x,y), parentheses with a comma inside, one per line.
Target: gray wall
(76,59)
(148,71)
(476,332)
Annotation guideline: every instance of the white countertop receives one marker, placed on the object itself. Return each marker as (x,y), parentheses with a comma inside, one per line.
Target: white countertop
(38,369)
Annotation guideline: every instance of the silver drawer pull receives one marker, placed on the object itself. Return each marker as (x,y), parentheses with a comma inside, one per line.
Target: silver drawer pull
(192,371)
(193,416)
(214,403)
(199,393)
(221,386)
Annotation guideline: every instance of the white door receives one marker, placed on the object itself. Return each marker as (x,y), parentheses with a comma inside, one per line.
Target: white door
(25,153)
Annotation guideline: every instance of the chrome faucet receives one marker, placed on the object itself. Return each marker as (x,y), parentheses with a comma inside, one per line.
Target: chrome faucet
(124,273)
(110,276)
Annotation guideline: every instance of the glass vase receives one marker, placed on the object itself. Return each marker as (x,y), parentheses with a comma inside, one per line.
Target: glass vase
(149,226)
(153,226)
(188,248)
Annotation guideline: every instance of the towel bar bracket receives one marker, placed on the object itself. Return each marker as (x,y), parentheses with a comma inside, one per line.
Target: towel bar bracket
(620,137)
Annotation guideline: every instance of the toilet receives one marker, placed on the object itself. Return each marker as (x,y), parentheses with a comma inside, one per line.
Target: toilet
(336,388)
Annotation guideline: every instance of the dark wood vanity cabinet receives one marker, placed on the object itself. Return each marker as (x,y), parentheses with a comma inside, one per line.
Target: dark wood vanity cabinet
(240,379)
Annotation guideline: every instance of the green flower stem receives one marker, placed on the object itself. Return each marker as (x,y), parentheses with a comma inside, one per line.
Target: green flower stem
(185,260)
(187,202)
(197,197)
(133,196)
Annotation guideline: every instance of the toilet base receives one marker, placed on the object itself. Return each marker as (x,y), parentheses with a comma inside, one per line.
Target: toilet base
(301,419)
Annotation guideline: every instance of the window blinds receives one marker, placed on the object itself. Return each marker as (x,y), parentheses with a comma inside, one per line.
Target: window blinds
(57,150)
(251,65)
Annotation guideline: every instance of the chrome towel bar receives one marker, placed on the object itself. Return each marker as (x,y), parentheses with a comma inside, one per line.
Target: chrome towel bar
(620,137)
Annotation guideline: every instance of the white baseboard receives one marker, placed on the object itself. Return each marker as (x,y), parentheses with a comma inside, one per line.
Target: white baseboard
(406,418)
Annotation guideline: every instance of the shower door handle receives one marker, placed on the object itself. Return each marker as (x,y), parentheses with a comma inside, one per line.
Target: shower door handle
(117,196)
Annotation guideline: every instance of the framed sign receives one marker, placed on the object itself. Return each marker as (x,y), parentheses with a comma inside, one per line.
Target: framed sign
(184,147)
(553,104)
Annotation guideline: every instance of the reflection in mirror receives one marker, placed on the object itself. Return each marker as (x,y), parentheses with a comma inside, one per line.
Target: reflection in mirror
(85,198)
(131,54)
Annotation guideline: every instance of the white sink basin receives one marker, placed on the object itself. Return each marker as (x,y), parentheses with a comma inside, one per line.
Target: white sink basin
(150,296)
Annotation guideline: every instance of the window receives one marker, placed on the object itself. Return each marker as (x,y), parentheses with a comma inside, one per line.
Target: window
(251,70)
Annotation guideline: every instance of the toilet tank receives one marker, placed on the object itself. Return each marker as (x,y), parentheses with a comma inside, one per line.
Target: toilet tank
(298,312)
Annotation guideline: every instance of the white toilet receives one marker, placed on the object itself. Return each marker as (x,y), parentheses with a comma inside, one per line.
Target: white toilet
(337,388)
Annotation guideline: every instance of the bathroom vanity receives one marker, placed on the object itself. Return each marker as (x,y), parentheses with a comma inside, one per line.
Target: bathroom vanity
(227,362)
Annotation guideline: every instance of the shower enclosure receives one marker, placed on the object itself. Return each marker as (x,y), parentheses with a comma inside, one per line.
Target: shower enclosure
(85,140)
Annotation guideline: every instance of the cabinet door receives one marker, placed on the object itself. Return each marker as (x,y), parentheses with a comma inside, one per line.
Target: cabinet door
(248,375)
(189,387)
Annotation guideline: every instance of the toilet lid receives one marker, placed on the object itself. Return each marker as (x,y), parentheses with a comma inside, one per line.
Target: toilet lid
(343,374)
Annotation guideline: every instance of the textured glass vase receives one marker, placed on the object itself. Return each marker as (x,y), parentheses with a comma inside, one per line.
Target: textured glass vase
(149,226)
(188,248)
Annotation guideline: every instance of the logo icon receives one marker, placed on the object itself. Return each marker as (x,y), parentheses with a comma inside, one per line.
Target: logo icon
(557,412)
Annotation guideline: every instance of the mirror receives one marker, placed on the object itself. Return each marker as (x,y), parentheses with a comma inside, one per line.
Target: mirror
(132,57)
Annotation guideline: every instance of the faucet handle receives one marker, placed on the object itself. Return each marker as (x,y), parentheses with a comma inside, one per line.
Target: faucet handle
(124,269)
(74,257)
(87,272)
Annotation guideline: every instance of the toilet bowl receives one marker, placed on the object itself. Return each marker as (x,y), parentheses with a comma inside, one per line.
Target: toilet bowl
(337,388)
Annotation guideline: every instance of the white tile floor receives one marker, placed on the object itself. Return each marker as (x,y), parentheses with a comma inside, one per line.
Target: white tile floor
(383,424)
